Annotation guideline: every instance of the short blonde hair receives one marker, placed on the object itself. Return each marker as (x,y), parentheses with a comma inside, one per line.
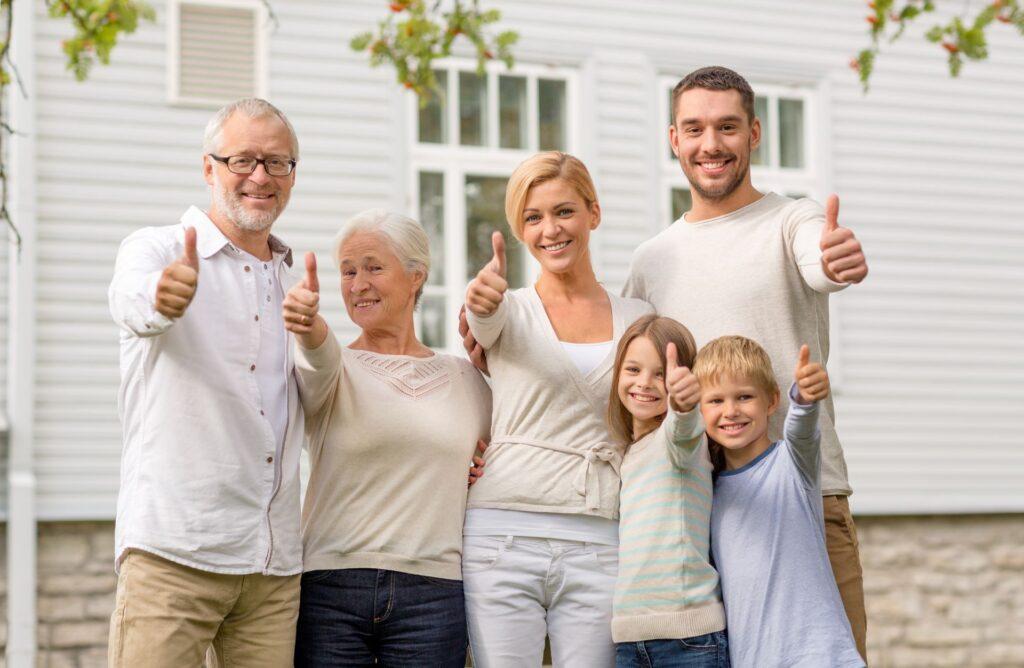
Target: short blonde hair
(542,168)
(407,239)
(738,357)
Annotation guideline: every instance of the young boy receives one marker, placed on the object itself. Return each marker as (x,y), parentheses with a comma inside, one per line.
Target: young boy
(767,526)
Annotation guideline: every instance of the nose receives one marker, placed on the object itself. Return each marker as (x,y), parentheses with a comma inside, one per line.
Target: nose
(359,283)
(731,408)
(551,227)
(711,141)
(645,379)
(259,175)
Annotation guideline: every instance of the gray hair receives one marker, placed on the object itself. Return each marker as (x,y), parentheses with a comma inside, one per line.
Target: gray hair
(407,238)
(253,107)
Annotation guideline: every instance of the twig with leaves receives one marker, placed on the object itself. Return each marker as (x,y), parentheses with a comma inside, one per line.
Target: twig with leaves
(416,32)
(961,37)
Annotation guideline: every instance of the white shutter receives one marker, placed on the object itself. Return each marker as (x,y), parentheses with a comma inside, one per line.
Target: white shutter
(216,51)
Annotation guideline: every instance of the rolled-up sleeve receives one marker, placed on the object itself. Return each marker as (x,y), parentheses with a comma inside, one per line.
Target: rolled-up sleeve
(132,294)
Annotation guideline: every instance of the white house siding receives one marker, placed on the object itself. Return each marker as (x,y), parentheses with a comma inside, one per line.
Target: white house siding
(930,347)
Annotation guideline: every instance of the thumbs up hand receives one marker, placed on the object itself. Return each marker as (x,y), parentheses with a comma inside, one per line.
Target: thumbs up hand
(177,284)
(486,291)
(841,255)
(811,378)
(681,385)
(301,308)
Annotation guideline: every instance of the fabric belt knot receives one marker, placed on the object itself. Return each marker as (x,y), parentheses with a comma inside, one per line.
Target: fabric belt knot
(587,481)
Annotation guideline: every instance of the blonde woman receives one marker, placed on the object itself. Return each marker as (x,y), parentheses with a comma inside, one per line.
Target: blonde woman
(541,533)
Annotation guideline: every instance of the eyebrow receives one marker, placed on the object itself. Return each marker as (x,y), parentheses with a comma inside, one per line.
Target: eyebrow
(565,203)
(732,118)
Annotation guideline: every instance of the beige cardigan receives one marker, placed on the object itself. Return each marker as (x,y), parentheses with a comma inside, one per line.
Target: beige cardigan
(551,450)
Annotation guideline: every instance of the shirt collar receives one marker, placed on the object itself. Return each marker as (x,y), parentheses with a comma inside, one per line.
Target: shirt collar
(210,240)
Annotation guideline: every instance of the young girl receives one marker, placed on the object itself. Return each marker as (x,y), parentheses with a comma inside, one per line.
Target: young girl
(668,607)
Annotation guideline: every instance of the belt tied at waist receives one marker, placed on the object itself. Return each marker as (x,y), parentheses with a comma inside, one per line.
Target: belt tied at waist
(586,482)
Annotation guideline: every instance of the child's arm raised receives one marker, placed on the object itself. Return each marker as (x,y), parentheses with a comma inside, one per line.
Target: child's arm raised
(683,426)
(801,431)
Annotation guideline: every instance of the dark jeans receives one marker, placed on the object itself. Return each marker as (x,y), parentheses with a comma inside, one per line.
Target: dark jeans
(366,617)
(710,651)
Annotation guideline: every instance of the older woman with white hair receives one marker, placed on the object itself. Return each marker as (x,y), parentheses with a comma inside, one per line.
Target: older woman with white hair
(392,426)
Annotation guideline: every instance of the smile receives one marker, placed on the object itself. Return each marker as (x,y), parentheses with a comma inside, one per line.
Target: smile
(714,167)
(733,428)
(643,398)
(256,196)
(366,303)
(552,248)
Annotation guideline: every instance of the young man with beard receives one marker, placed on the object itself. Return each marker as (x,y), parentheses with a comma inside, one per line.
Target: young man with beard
(207,538)
(757,265)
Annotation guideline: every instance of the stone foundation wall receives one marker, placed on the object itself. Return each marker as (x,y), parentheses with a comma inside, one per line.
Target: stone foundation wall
(941,591)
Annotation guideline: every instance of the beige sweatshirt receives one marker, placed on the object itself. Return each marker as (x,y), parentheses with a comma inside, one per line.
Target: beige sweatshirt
(390,442)
(551,450)
(755,272)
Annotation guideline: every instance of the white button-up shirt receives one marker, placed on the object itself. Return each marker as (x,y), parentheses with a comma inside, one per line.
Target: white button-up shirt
(205,480)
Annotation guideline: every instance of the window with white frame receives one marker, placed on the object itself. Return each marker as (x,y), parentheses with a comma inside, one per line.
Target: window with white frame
(784,162)
(465,143)
(216,51)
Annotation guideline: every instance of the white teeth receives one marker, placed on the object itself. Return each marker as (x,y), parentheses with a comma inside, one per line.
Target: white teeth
(713,165)
(559,246)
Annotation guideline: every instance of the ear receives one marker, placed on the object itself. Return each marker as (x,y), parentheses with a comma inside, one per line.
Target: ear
(774,405)
(755,134)
(208,169)
(417,282)
(595,212)
(673,140)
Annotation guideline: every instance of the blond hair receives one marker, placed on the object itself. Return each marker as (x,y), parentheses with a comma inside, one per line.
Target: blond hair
(736,357)
(539,169)
(660,331)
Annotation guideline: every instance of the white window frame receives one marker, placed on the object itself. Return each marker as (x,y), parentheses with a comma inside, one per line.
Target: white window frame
(808,180)
(456,161)
(174,96)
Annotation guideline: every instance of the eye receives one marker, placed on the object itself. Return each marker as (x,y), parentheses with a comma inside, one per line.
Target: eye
(241,161)
(566,212)
(348,273)
(746,397)
(632,369)
(729,127)
(693,132)
(532,218)
(660,375)
(376,268)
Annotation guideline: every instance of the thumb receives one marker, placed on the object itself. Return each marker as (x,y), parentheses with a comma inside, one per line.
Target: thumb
(312,281)
(498,243)
(671,357)
(831,213)
(805,357)
(190,257)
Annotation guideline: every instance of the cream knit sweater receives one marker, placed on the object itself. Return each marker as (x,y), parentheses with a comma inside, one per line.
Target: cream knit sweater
(551,450)
(390,442)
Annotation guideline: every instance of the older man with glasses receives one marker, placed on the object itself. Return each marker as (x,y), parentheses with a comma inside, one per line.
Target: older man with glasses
(207,541)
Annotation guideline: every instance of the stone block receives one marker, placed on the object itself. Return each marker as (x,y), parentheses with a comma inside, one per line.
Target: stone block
(894,607)
(913,657)
(62,552)
(958,559)
(67,635)
(77,584)
(1010,557)
(99,606)
(45,659)
(60,608)
(942,635)
(93,658)
(1002,655)
(102,542)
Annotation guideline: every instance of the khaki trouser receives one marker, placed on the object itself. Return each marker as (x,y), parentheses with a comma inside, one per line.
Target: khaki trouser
(844,553)
(166,616)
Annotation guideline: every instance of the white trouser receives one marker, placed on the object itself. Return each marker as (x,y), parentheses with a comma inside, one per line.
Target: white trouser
(520,589)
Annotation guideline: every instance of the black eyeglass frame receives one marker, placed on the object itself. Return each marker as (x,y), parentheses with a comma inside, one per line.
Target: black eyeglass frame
(256,162)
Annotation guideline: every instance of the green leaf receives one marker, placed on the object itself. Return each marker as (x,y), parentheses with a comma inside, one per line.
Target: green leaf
(361,41)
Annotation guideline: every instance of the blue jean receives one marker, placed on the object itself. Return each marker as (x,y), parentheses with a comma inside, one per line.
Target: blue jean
(366,617)
(708,651)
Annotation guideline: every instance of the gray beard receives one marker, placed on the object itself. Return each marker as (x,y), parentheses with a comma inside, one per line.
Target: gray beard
(231,205)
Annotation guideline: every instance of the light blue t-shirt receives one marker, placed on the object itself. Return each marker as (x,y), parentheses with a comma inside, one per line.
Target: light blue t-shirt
(782,605)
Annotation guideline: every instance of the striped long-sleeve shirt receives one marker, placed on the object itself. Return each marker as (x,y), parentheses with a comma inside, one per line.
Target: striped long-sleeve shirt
(667,587)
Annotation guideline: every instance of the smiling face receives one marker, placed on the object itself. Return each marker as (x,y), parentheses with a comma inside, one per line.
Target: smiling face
(712,136)
(736,413)
(556,226)
(379,293)
(251,202)
(641,385)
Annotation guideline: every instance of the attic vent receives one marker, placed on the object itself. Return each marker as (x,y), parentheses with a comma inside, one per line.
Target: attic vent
(219,52)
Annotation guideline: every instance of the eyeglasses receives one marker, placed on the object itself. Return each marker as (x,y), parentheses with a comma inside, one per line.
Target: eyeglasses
(275,165)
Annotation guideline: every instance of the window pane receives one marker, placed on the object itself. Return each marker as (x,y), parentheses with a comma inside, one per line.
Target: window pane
(760,156)
(791,140)
(432,317)
(472,109)
(485,213)
(512,110)
(433,126)
(682,201)
(551,103)
(432,218)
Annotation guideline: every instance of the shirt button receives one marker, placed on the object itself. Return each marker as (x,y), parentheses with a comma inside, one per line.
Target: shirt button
(257,317)
(270,460)
(248,268)
(268,298)
(262,413)
(264,265)
(252,367)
